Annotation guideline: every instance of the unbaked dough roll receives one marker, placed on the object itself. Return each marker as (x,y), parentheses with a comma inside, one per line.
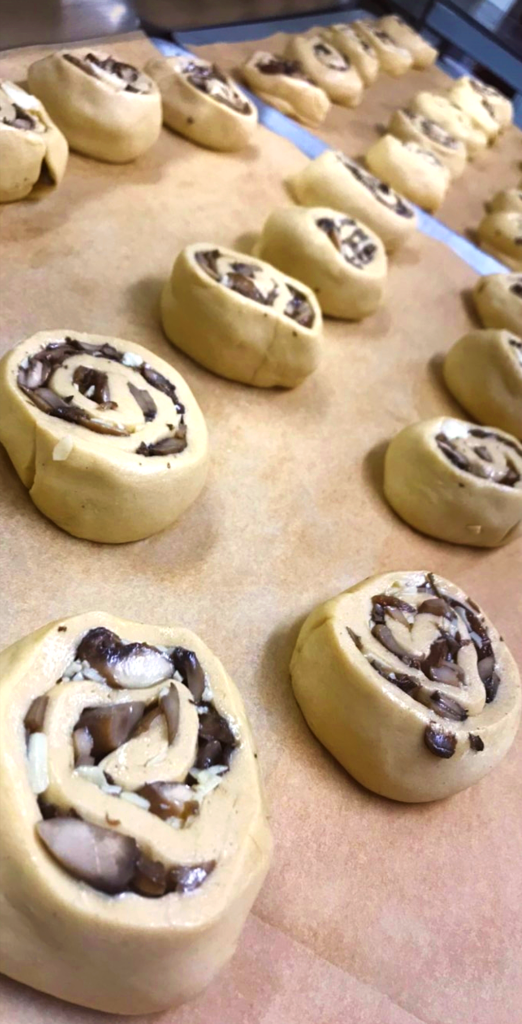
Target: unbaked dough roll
(202,103)
(455,121)
(411,127)
(137,837)
(241,318)
(284,84)
(354,48)
(423,55)
(328,68)
(483,370)
(339,258)
(500,234)
(456,481)
(498,300)
(497,104)
(411,170)
(106,109)
(335,180)
(395,60)
(30,143)
(107,437)
(465,96)
(509,200)
(407,683)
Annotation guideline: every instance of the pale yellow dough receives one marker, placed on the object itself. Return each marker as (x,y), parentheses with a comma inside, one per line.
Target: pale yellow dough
(497,105)
(483,370)
(222,118)
(509,200)
(473,103)
(354,48)
(124,954)
(498,300)
(94,485)
(332,71)
(375,729)
(348,274)
(422,53)
(433,494)
(411,127)
(236,336)
(292,94)
(395,60)
(410,169)
(96,113)
(24,152)
(500,234)
(334,180)
(452,118)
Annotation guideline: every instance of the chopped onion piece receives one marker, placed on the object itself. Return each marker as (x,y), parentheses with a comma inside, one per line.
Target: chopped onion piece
(37,762)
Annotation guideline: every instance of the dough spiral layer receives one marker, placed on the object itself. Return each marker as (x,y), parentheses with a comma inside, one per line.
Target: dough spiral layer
(408,684)
(483,370)
(106,436)
(138,838)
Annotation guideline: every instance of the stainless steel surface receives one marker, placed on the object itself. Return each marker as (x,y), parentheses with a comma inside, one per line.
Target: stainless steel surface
(24,22)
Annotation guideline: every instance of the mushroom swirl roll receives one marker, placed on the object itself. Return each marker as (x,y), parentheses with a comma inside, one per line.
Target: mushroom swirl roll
(30,143)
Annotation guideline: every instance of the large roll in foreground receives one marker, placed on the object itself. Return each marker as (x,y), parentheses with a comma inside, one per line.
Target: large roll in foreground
(408,685)
(137,838)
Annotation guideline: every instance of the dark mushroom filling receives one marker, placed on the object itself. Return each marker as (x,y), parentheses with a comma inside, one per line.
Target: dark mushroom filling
(107,860)
(516,289)
(517,346)
(383,193)
(432,130)
(35,375)
(92,64)
(384,37)
(241,277)
(462,624)
(351,241)
(17,117)
(330,57)
(281,66)
(499,462)
(211,80)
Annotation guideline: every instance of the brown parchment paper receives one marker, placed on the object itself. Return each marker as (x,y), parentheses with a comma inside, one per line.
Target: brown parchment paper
(373,912)
(354,131)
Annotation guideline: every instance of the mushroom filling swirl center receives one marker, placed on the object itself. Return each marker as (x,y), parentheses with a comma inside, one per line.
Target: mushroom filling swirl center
(209,78)
(257,283)
(123,751)
(13,114)
(483,453)
(331,58)
(383,193)
(106,391)
(349,238)
(115,73)
(437,650)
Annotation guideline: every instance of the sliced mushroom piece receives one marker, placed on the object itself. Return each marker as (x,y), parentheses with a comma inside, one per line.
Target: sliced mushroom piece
(439,742)
(447,707)
(126,665)
(82,743)
(186,879)
(147,720)
(169,703)
(170,800)
(150,878)
(145,402)
(436,606)
(110,725)
(34,718)
(209,754)
(476,742)
(157,380)
(384,635)
(99,856)
(449,675)
(86,377)
(186,663)
(172,445)
(212,726)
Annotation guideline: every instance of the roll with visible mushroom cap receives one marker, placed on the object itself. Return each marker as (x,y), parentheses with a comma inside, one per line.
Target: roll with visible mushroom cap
(456,481)
(501,107)
(335,180)
(106,109)
(339,258)
(29,144)
(203,103)
(419,697)
(483,370)
(285,85)
(423,55)
(500,234)
(410,169)
(357,50)
(498,300)
(241,318)
(138,838)
(452,118)
(465,95)
(329,68)
(394,59)
(107,437)
(411,127)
